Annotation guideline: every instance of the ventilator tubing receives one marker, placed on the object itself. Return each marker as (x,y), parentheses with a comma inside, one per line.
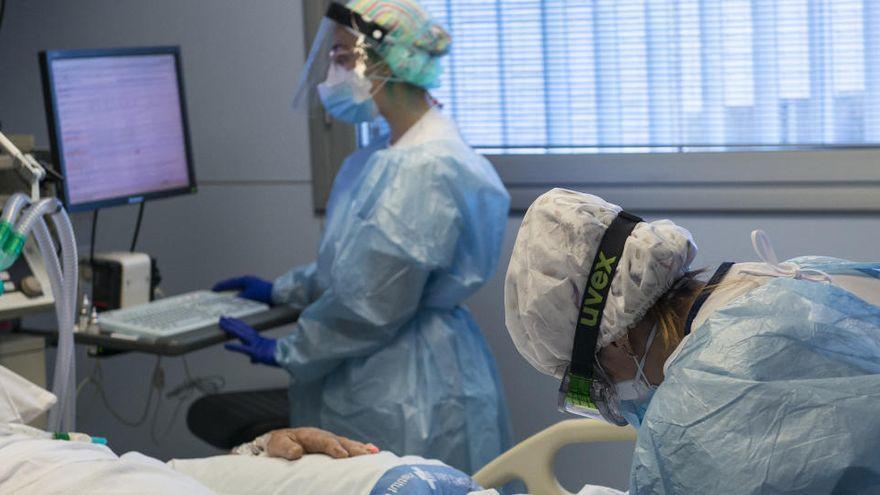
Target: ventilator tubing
(11,244)
(64,289)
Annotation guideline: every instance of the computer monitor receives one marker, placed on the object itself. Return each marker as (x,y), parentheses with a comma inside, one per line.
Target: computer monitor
(117,125)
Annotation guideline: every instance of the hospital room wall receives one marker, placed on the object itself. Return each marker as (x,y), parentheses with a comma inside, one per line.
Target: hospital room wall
(253,210)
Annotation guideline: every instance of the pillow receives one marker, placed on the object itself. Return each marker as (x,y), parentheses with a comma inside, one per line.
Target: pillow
(20,400)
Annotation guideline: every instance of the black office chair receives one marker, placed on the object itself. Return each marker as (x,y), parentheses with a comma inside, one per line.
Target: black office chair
(233,418)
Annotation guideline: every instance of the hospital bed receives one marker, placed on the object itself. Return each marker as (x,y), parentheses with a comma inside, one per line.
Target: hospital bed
(32,461)
(81,468)
(532,460)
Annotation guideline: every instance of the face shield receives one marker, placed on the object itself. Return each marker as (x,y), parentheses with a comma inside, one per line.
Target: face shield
(342,48)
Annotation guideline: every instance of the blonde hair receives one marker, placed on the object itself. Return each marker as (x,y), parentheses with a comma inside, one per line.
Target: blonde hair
(669,312)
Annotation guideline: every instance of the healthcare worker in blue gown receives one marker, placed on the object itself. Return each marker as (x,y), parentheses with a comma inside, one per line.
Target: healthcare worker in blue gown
(751,378)
(384,350)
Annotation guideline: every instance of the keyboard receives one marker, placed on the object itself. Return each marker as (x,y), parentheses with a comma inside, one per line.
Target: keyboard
(178,314)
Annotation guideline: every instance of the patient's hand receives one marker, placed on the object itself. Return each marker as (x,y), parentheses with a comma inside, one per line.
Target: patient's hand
(293,443)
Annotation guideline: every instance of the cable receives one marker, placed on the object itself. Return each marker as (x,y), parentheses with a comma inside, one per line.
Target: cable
(2,12)
(184,392)
(137,227)
(92,254)
(94,230)
(157,382)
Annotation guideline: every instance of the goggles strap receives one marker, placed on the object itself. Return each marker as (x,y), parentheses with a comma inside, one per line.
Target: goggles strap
(595,295)
(705,293)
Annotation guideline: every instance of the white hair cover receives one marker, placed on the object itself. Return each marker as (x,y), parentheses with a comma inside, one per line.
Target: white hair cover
(551,263)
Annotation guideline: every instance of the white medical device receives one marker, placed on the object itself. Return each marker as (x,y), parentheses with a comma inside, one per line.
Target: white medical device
(121,279)
(178,314)
(21,216)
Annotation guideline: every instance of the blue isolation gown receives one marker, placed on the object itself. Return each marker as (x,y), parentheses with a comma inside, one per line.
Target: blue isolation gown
(777,392)
(384,351)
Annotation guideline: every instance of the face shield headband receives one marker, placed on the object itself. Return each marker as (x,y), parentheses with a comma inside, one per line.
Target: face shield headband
(586,389)
(344,16)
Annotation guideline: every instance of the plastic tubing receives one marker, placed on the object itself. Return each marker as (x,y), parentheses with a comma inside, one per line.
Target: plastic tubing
(69,258)
(53,269)
(8,254)
(34,213)
(62,416)
(13,206)
(63,279)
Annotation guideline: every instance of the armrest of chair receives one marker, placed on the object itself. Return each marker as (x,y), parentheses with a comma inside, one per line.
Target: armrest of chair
(229,419)
(532,460)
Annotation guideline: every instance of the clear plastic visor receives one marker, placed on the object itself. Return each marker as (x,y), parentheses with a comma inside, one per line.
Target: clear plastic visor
(335,44)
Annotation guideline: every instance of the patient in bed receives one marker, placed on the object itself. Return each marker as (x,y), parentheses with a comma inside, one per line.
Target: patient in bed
(289,461)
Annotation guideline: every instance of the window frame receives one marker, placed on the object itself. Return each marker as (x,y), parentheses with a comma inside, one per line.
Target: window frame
(704,182)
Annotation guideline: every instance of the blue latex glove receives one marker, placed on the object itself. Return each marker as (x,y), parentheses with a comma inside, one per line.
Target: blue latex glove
(248,287)
(260,349)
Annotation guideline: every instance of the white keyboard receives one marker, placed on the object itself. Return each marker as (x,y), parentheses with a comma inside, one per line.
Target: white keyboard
(178,314)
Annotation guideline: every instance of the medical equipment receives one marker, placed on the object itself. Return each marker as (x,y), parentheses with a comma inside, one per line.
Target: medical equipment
(26,288)
(21,216)
(26,165)
(118,125)
(121,279)
(22,429)
(178,314)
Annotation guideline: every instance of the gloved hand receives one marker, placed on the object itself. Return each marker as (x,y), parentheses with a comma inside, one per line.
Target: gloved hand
(249,287)
(260,349)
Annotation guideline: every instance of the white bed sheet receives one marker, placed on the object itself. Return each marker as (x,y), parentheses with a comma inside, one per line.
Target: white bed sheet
(379,474)
(38,465)
(48,467)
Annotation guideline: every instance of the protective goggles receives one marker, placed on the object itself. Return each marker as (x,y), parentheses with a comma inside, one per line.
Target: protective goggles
(343,39)
(586,389)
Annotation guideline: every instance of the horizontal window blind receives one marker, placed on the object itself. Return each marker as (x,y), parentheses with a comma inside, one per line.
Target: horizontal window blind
(650,75)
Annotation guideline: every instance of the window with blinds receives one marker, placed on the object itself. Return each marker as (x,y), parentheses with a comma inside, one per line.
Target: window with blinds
(581,76)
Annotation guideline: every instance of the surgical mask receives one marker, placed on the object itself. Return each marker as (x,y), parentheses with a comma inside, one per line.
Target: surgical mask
(635,395)
(346,95)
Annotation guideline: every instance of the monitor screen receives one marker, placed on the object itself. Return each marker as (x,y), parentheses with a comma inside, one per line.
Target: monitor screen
(118,125)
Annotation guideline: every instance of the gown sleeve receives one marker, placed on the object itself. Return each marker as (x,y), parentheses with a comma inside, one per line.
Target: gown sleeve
(297,288)
(405,223)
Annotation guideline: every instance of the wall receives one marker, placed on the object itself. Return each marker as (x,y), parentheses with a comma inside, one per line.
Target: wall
(252,213)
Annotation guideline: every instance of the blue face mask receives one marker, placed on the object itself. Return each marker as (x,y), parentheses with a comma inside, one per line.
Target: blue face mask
(347,96)
(634,411)
(635,395)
